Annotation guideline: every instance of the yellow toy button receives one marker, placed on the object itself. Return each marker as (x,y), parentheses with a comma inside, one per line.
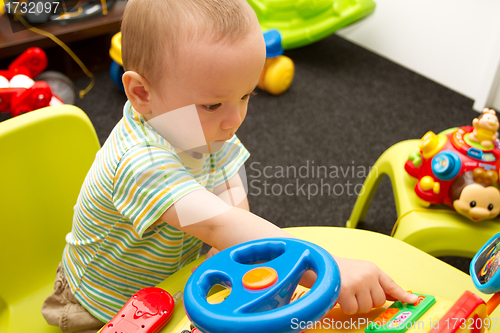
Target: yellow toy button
(259,278)
(436,188)
(426,183)
(431,144)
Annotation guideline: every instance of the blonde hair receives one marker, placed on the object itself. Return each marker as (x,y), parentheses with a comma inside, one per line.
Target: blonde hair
(153,29)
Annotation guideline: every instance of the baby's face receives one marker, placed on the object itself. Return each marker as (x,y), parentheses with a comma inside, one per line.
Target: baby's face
(217,77)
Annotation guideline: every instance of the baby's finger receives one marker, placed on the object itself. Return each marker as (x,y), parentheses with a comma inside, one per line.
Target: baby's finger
(348,304)
(390,298)
(378,297)
(365,303)
(392,289)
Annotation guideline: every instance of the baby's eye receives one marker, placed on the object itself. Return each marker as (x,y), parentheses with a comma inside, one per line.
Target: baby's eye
(253,93)
(212,107)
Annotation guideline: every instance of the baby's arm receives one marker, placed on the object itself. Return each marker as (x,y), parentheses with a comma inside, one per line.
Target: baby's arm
(233,192)
(364,285)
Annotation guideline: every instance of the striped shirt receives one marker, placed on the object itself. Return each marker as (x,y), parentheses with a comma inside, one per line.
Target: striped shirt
(111,251)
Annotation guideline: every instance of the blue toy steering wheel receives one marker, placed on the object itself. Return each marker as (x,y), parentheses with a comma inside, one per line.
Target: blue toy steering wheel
(262,276)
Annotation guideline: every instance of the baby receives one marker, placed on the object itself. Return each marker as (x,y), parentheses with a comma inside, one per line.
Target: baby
(167,179)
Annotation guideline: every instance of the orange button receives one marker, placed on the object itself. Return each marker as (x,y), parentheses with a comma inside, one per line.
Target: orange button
(259,278)
(420,299)
(386,315)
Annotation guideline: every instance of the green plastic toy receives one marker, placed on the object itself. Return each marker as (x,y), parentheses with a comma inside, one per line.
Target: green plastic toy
(303,22)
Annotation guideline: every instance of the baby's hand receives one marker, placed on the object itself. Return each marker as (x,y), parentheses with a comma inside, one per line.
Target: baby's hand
(364,286)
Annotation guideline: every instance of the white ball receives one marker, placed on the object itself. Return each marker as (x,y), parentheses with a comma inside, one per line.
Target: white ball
(4,83)
(21,81)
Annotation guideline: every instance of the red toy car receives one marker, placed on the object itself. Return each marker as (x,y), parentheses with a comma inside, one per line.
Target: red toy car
(19,93)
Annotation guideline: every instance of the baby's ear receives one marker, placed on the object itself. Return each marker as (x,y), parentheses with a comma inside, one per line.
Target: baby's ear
(137,90)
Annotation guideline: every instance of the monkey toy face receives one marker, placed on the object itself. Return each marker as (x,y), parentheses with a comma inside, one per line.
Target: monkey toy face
(478,203)
(489,121)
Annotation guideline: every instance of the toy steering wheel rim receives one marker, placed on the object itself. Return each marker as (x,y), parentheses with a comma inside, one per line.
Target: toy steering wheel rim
(252,310)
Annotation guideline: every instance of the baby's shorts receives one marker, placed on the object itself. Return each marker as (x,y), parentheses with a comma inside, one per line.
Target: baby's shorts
(62,309)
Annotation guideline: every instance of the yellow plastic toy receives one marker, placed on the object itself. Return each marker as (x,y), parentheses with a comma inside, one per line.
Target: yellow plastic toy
(437,230)
(277,75)
(45,156)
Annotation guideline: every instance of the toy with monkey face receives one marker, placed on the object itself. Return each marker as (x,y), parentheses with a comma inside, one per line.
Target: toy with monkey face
(459,168)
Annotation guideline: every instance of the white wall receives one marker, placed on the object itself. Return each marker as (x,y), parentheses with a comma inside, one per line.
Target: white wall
(453,42)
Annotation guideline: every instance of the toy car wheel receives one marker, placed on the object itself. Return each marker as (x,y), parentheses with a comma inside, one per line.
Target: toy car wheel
(116,72)
(60,84)
(279,75)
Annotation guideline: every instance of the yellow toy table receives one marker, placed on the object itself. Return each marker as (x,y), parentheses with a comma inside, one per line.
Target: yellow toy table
(437,230)
(407,265)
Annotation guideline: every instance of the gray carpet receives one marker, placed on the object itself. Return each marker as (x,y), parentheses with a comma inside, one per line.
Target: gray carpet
(344,108)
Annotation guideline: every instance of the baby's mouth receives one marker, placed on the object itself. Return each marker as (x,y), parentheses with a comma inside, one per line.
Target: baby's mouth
(229,137)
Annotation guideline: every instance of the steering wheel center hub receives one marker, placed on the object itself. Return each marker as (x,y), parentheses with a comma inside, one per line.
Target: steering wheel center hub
(260,278)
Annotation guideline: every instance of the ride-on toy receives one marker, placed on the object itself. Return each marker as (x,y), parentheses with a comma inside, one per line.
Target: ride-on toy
(262,295)
(243,314)
(303,22)
(19,93)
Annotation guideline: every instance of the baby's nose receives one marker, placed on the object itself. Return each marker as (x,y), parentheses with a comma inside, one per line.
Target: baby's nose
(233,120)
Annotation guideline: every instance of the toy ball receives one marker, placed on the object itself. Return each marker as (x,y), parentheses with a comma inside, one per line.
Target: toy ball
(21,81)
(4,83)
(459,168)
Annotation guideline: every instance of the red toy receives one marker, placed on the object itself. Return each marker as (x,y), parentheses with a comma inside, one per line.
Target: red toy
(18,92)
(147,311)
(455,169)
(468,314)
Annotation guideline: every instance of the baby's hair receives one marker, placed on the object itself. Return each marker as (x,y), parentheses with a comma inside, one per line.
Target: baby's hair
(152,30)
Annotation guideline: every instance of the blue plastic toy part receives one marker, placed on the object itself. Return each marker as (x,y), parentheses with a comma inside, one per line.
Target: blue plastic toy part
(484,266)
(273,43)
(446,165)
(116,71)
(257,310)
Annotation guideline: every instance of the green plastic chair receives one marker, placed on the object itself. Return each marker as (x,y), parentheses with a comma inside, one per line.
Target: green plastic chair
(45,155)
(437,230)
